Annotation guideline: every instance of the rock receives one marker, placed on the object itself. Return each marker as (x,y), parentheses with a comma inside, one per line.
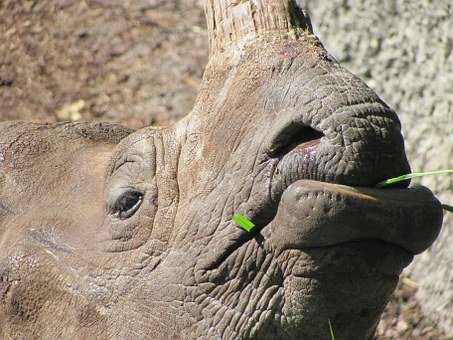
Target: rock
(71,112)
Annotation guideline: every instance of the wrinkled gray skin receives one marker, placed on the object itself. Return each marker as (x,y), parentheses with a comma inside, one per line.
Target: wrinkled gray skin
(109,233)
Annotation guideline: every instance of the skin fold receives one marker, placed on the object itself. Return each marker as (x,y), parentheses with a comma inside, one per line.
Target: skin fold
(108,233)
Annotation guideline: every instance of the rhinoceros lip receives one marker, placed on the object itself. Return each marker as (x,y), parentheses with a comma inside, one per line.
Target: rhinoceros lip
(354,258)
(315,214)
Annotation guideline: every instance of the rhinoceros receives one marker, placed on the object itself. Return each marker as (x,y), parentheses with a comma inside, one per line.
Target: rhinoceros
(109,233)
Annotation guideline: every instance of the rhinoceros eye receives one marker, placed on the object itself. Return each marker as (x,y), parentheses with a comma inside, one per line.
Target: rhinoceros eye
(127,204)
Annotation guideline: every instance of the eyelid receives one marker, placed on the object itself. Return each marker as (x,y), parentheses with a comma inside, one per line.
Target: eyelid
(127,158)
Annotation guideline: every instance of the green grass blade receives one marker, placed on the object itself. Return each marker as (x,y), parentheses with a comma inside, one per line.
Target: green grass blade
(332,334)
(243,222)
(448,208)
(413,175)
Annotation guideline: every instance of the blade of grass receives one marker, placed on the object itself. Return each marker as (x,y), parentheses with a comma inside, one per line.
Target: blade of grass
(332,334)
(243,222)
(448,208)
(413,175)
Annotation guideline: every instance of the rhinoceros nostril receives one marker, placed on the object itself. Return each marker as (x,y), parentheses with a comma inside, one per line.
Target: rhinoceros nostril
(292,136)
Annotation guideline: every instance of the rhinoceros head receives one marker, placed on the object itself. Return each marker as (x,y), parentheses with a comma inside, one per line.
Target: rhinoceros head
(110,233)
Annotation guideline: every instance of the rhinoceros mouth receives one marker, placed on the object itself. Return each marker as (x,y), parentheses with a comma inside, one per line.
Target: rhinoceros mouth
(318,214)
(321,204)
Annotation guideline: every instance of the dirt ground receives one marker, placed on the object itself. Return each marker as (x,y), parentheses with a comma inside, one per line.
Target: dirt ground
(137,62)
(403,318)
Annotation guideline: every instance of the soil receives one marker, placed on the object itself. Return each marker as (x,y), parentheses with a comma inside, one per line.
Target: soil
(403,318)
(137,62)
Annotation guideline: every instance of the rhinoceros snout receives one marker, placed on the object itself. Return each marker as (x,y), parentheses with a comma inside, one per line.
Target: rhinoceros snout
(356,145)
(360,140)
(333,128)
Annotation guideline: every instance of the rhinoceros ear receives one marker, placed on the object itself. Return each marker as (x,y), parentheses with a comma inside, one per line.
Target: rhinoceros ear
(231,22)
